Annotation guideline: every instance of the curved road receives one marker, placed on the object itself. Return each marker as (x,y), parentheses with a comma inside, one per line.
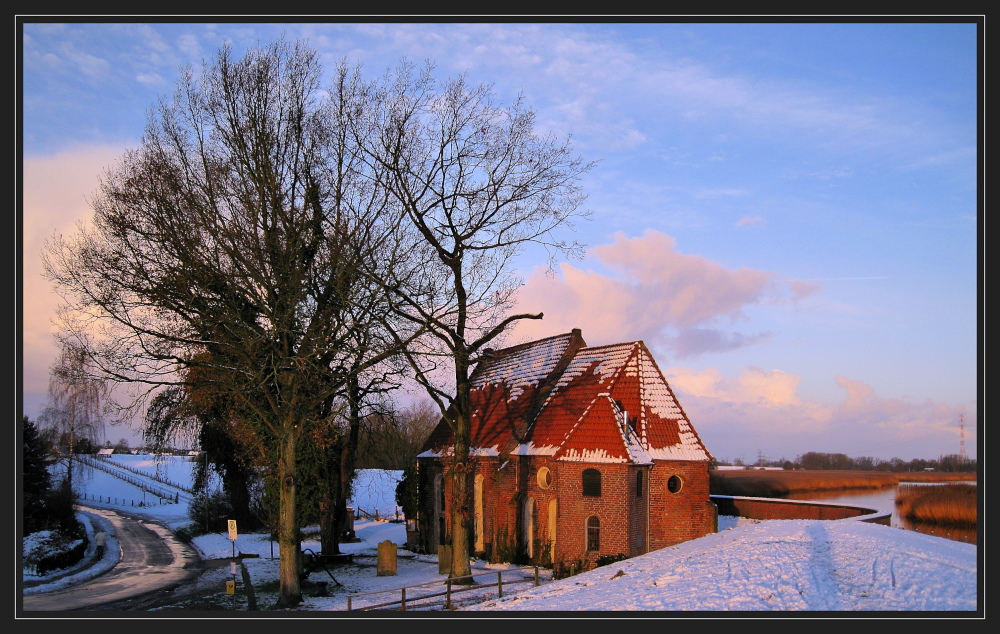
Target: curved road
(152,559)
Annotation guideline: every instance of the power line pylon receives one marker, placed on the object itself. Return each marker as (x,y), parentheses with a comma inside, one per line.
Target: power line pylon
(961,450)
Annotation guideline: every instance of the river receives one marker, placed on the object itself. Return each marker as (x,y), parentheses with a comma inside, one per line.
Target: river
(884,500)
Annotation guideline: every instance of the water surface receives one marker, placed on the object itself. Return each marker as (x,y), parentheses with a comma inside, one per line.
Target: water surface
(884,500)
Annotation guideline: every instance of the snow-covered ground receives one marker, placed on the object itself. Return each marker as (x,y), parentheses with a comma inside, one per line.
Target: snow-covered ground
(777,565)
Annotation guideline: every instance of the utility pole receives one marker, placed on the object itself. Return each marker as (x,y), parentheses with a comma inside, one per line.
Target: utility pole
(961,450)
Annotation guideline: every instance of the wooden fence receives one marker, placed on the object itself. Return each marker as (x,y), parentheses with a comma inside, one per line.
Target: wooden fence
(451,588)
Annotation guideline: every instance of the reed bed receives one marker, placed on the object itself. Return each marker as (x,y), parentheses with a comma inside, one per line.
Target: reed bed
(757,483)
(944,504)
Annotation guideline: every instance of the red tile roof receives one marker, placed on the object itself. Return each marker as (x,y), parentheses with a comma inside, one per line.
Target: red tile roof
(557,397)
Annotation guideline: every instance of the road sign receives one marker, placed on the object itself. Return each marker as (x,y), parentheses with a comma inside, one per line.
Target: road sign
(230,587)
(232,529)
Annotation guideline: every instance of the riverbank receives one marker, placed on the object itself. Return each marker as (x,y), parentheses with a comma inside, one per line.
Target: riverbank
(951,504)
(950,517)
(776,484)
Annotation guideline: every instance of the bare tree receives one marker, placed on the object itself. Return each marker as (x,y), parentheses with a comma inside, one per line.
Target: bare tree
(391,439)
(476,184)
(79,400)
(227,248)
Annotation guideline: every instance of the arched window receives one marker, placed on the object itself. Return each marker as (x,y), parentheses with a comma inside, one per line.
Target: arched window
(592,483)
(638,484)
(477,521)
(529,526)
(593,533)
(439,507)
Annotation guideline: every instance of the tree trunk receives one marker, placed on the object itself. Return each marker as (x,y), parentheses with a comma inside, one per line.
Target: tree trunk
(460,509)
(290,594)
(329,539)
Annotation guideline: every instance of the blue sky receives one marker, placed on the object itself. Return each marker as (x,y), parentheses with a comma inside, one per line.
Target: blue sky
(785,213)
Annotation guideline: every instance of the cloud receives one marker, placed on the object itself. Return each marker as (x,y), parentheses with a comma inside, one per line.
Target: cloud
(654,293)
(55,192)
(150,79)
(90,65)
(802,288)
(761,410)
(754,386)
(749,220)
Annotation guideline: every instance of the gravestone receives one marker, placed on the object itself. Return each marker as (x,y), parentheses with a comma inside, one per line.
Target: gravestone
(386,559)
(444,559)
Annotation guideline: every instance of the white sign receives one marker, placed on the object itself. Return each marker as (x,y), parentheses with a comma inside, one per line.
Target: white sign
(232,530)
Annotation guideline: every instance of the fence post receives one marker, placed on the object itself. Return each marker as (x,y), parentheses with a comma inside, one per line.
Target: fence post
(499,584)
(536,576)
(402,599)
(348,603)
(447,601)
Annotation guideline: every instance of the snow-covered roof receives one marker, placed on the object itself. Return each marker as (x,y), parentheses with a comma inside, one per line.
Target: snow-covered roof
(560,398)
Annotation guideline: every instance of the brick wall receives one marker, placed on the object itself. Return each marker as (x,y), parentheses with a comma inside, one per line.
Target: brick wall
(629,524)
(684,515)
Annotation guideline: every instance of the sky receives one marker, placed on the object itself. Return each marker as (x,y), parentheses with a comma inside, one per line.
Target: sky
(787,214)
(802,568)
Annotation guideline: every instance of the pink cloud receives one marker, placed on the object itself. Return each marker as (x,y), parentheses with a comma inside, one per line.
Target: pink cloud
(654,293)
(749,220)
(753,385)
(761,410)
(55,192)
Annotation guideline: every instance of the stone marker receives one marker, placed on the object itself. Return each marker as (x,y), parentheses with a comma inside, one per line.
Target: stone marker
(444,559)
(386,559)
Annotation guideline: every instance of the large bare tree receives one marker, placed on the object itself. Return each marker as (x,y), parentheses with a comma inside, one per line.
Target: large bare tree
(232,241)
(477,184)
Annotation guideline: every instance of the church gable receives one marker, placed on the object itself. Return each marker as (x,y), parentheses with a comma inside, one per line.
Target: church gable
(669,434)
(595,437)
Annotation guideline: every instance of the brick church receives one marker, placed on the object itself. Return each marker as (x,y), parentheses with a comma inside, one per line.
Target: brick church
(580,452)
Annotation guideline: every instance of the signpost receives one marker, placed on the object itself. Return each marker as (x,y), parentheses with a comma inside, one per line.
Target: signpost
(231,585)
(232,535)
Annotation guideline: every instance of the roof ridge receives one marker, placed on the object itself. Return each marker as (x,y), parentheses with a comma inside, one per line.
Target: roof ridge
(627,344)
(527,344)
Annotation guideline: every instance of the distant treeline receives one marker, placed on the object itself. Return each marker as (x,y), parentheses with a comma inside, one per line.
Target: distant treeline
(818,461)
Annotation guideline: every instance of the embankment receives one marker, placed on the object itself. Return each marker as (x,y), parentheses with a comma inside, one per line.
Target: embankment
(776,509)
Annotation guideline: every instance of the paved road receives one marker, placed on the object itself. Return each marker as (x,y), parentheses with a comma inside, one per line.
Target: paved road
(152,560)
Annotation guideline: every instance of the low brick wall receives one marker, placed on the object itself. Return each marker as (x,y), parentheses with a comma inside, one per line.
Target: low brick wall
(778,509)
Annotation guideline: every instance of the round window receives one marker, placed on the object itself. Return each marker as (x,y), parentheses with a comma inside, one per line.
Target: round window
(544,477)
(674,484)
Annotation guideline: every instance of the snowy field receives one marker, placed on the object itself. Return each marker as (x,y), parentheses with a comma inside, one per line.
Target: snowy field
(806,566)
